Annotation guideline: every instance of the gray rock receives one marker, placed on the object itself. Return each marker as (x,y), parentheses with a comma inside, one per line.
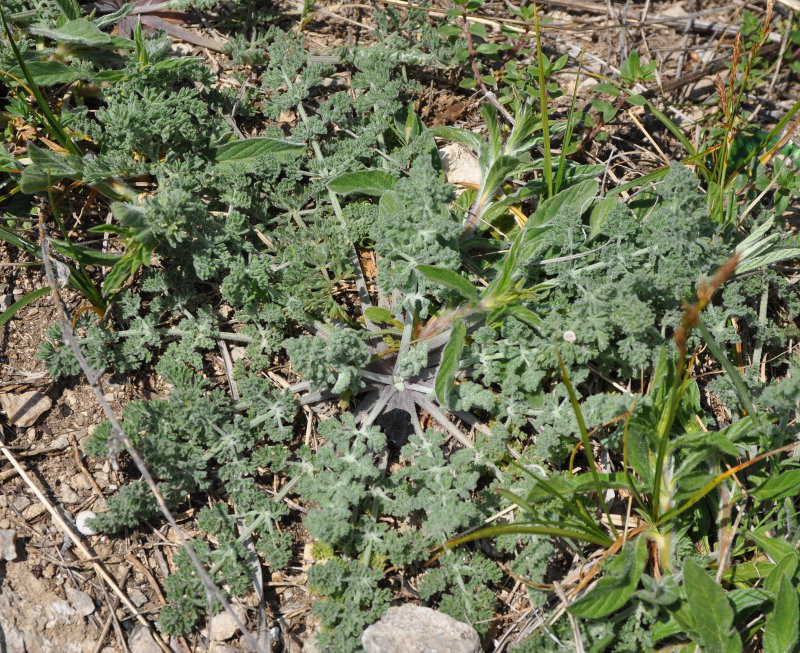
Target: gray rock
(416,629)
(141,641)
(137,597)
(222,626)
(25,408)
(80,601)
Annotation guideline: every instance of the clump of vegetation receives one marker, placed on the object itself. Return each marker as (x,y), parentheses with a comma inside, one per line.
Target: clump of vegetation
(582,331)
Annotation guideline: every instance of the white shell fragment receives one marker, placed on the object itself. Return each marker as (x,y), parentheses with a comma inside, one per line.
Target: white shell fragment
(82,522)
(25,408)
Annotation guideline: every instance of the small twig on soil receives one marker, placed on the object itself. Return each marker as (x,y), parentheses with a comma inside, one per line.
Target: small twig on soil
(79,545)
(76,454)
(112,607)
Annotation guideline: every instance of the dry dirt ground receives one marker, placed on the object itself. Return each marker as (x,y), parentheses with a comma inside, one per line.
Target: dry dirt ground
(55,600)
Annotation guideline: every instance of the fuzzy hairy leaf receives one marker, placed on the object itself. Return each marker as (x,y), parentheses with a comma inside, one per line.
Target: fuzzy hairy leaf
(714,614)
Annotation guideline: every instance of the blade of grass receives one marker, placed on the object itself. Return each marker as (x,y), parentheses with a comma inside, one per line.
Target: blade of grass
(543,528)
(548,169)
(733,374)
(587,446)
(562,159)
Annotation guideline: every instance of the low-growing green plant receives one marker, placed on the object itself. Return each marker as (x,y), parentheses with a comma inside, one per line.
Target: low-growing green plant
(509,308)
(671,464)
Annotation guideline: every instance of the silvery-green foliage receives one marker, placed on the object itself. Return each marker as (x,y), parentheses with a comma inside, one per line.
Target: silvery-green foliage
(332,361)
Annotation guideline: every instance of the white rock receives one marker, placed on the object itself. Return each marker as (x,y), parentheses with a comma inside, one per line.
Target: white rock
(8,547)
(218,647)
(416,629)
(81,601)
(25,408)
(82,522)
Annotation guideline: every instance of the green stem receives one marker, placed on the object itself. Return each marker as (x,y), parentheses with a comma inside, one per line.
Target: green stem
(548,170)
(587,446)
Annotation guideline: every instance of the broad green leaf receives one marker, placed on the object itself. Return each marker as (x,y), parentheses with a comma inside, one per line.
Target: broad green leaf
(77,32)
(499,207)
(577,197)
(182,62)
(776,549)
(106,20)
(617,585)
(784,485)
(602,87)
(238,156)
(8,236)
(503,283)
(712,609)
(781,631)
(563,486)
(363,182)
(787,566)
(451,358)
(666,627)
(570,176)
(746,573)
(21,303)
(488,48)
(525,315)
(768,258)
(380,315)
(111,229)
(478,29)
(49,73)
(126,267)
(468,138)
(85,255)
(754,239)
(501,169)
(70,8)
(46,168)
(744,600)
(742,391)
(450,279)
(489,114)
(390,204)
(638,452)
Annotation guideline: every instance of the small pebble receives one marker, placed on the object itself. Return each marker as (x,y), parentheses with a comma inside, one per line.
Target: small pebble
(8,547)
(81,521)
(81,602)
(137,597)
